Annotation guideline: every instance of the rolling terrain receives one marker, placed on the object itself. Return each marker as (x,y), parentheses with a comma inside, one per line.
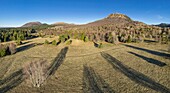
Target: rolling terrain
(81,67)
(112,55)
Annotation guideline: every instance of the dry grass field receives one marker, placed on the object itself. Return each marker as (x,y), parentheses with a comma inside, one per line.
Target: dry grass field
(122,68)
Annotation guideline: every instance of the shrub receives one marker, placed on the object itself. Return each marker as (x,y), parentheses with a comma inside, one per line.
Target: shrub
(46,42)
(165,39)
(2,50)
(18,42)
(86,39)
(69,42)
(75,36)
(41,35)
(54,42)
(37,72)
(62,38)
(100,45)
(22,37)
(66,37)
(82,36)
(51,36)
(129,40)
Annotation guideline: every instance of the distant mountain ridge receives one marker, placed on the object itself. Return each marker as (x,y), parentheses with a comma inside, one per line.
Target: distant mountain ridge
(163,25)
(115,20)
(32,24)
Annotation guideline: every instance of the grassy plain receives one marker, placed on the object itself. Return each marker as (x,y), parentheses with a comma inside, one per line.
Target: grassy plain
(122,68)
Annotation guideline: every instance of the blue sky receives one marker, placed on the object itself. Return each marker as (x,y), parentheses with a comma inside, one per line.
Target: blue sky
(18,12)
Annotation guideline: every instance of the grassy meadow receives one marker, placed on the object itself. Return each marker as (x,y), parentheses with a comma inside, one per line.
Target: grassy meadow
(121,68)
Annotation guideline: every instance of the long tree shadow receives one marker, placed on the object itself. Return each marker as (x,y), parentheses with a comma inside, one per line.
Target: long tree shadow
(150,51)
(134,75)
(11,81)
(93,83)
(4,68)
(57,61)
(149,41)
(26,47)
(150,60)
(163,50)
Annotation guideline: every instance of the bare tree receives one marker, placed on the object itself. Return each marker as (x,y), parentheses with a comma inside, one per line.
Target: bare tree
(12,48)
(37,72)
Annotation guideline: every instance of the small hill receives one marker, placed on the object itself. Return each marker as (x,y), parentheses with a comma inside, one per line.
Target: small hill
(112,19)
(62,24)
(32,24)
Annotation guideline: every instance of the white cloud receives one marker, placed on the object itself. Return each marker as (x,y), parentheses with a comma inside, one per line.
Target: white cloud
(160,17)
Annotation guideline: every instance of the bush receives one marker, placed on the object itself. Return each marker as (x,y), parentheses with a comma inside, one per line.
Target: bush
(75,36)
(100,45)
(62,38)
(82,36)
(18,42)
(2,50)
(66,37)
(86,39)
(54,42)
(46,42)
(165,39)
(69,42)
(129,40)
(51,36)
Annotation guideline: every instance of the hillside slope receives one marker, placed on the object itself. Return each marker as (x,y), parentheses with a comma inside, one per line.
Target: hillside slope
(32,24)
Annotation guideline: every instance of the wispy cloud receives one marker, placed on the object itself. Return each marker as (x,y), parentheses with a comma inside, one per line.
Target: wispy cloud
(160,17)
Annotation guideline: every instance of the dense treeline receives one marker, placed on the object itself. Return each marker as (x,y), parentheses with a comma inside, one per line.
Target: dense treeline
(22,33)
(13,34)
(10,34)
(127,33)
